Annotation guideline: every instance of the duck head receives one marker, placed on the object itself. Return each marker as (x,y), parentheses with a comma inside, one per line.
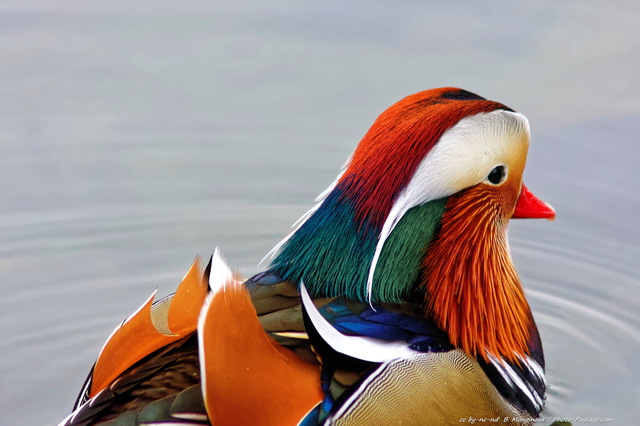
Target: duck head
(422,207)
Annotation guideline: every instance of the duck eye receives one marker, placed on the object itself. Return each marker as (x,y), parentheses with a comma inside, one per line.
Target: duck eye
(497,175)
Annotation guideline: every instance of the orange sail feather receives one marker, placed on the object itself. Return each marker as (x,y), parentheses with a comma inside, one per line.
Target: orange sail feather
(247,377)
(151,327)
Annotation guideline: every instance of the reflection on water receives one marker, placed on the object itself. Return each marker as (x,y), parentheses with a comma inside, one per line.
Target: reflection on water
(585,307)
(133,139)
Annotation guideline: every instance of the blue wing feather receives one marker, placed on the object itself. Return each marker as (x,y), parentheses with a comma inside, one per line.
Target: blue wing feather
(384,323)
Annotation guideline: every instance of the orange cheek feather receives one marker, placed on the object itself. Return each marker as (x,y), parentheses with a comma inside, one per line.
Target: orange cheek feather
(473,290)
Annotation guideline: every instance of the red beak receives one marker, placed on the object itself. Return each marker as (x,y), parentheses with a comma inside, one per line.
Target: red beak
(529,206)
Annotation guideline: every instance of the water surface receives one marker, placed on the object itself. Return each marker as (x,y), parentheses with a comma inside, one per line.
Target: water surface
(133,137)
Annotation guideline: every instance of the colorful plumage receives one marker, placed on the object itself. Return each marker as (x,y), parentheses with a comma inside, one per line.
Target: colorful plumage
(394,300)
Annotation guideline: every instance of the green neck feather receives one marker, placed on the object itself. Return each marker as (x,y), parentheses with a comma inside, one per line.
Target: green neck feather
(398,269)
(332,257)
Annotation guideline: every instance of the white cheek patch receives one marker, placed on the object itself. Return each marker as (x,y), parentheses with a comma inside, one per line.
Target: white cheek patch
(463,157)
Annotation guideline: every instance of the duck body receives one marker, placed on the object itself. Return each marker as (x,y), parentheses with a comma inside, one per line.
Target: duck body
(394,300)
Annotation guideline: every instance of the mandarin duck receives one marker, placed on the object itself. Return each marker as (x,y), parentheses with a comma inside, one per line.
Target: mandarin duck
(394,300)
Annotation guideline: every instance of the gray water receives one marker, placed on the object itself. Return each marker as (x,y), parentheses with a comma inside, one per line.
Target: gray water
(135,135)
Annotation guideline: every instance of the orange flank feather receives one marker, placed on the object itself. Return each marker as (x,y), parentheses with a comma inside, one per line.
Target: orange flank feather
(473,290)
(248,378)
(150,328)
